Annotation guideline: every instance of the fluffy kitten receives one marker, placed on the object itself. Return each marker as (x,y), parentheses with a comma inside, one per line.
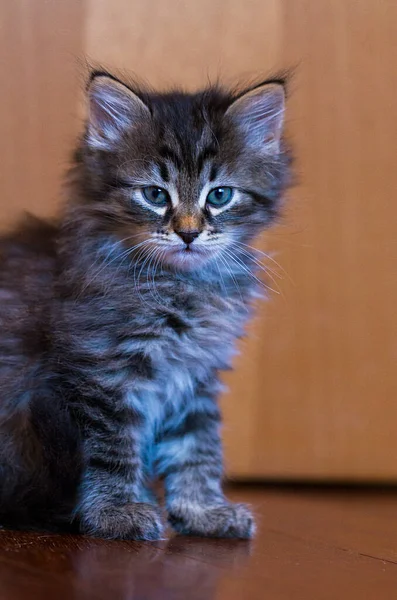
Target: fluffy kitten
(115,322)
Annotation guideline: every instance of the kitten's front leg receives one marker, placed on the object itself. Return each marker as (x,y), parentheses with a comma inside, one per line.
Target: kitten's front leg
(189,457)
(113,502)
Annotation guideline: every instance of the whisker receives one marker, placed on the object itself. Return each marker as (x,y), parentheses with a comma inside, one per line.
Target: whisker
(145,264)
(126,254)
(262,266)
(268,257)
(249,272)
(134,273)
(268,272)
(105,264)
(152,268)
(220,276)
(235,282)
(159,263)
(148,271)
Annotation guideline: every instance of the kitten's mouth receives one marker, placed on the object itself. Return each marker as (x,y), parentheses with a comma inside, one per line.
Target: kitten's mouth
(187,257)
(188,249)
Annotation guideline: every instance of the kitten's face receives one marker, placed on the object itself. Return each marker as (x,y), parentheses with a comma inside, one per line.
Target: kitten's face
(185,179)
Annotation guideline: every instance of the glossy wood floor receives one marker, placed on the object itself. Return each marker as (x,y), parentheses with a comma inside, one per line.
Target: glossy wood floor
(312,544)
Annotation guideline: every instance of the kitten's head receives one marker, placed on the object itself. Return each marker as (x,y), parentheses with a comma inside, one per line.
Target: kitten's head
(184,177)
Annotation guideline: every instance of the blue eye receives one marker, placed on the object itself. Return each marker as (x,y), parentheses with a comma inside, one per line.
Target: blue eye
(155,195)
(220,196)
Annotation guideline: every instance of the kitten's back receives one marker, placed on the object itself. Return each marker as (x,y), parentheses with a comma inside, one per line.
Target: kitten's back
(32,417)
(27,263)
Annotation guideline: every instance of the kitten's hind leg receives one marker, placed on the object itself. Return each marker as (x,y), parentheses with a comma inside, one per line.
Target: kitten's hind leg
(189,458)
(39,464)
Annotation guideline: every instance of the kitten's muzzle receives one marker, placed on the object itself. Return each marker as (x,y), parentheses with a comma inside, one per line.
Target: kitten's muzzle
(188,236)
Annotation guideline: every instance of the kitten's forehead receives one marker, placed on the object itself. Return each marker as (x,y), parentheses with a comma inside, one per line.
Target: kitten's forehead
(187,170)
(188,139)
(189,151)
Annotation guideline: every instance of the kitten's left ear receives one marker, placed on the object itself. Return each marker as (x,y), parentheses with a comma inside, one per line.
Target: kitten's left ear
(112,109)
(260,116)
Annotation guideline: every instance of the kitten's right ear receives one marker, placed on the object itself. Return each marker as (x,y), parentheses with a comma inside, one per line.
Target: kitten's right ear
(112,109)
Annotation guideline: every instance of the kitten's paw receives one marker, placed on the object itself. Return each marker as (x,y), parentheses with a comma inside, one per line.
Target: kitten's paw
(135,521)
(225,521)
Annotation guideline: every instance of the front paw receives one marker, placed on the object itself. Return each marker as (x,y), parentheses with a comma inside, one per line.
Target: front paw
(135,521)
(224,521)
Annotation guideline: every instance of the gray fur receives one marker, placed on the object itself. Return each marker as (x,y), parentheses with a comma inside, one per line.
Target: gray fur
(110,349)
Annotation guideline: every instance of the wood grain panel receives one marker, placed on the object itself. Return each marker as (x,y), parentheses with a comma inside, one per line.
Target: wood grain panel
(325,378)
(40,43)
(314,395)
(185,43)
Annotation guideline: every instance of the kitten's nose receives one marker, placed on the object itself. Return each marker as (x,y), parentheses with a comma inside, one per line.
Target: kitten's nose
(188,236)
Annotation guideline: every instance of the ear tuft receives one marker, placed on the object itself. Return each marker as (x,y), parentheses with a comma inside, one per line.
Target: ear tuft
(259,114)
(112,109)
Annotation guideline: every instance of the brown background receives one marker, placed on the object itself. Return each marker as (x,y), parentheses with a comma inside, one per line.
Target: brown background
(314,395)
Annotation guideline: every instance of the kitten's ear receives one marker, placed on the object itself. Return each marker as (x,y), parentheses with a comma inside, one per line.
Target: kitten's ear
(260,116)
(112,109)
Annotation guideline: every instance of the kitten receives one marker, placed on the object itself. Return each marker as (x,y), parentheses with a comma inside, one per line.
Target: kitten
(116,321)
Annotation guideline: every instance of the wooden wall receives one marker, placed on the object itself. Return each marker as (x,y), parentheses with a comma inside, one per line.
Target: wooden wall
(315,393)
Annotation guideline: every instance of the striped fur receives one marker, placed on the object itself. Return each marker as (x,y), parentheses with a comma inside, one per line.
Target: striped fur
(109,354)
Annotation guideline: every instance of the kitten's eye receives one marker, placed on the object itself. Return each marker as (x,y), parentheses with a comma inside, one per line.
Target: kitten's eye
(155,195)
(220,196)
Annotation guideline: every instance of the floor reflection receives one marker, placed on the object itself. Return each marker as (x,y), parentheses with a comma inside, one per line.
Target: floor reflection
(182,568)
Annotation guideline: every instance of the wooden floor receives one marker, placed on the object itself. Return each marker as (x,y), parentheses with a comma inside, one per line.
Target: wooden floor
(312,545)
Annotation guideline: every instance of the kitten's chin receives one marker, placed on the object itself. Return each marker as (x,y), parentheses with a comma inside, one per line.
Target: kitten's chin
(187,259)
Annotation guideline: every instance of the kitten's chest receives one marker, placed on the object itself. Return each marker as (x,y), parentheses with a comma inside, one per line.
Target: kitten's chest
(202,338)
(185,347)
(154,357)
(191,349)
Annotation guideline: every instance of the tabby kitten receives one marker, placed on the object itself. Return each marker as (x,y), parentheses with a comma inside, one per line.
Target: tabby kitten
(116,320)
